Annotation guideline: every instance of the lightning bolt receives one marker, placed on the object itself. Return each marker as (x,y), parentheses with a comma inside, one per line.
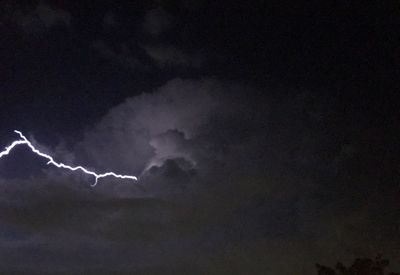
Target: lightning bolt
(25,141)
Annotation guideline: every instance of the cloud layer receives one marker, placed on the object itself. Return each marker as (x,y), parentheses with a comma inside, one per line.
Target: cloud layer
(228,184)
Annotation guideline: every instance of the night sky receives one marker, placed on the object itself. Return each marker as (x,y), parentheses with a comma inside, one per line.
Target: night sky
(265,135)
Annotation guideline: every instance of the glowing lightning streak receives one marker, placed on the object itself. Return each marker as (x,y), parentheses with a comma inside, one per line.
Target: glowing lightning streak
(24,140)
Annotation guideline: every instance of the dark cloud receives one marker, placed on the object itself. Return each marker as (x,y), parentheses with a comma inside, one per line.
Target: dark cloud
(51,17)
(131,57)
(169,56)
(110,20)
(157,21)
(149,48)
(36,18)
(122,56)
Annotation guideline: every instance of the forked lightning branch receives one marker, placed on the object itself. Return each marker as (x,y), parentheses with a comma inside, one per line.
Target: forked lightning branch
(25,141)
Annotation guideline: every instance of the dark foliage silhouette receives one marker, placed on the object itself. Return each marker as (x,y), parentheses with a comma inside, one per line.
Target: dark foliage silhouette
(360,266)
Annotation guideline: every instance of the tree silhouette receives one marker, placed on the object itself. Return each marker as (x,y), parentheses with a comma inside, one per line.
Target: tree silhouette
(361,266)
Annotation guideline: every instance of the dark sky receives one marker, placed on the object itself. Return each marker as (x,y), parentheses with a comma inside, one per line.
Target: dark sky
(265,135)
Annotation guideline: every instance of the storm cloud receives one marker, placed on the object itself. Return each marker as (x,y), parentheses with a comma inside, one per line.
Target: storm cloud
(227,186)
